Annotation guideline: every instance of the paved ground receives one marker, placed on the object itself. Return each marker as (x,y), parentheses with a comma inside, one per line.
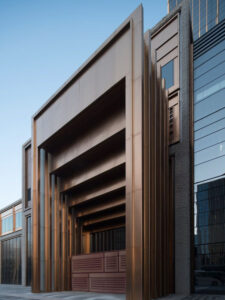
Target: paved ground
(194,297)
(14,292)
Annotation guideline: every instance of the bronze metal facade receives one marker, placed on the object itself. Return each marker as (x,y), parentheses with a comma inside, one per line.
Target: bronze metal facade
(95,136)
(104,158)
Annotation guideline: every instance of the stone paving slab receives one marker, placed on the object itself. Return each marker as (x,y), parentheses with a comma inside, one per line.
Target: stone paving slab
(18,292)
(193,297)
(14,292)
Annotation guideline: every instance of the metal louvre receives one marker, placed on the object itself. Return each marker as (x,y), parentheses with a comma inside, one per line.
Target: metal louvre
(108,283)
(100,272)
(80,282)
(209,40)
(111,262)
(88,263)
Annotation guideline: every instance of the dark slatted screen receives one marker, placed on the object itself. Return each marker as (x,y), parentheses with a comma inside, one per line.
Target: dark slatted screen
(108,240)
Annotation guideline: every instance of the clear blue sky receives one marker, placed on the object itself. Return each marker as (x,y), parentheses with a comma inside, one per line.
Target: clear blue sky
(42,42)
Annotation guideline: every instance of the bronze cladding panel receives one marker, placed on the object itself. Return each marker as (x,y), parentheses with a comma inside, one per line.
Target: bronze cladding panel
(158,210)
(35,215)
(120,57)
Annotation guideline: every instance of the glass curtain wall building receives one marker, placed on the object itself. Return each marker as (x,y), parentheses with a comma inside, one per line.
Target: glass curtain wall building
(209,161)
(208,27)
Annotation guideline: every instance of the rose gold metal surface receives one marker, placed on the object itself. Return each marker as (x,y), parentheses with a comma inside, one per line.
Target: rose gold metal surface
(113,169)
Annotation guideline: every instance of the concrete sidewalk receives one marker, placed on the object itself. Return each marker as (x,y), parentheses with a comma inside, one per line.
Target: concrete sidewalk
(18,292)
(193,297)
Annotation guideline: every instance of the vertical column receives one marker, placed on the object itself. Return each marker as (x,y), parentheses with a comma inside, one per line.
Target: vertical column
(14,219)
(0,250)
(70,232)
(35,215)
(53,232)
(134,159)
(23,249)
(47,225)
(67,260)
(64,242)
(78,237)
(146,227)
(57,235)
(42,220)
(69,246)
(0,261)
(73,232)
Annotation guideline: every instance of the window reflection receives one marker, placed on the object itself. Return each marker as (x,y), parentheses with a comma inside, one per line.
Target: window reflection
(167,72)
(212,13)
(19,219)
(209,161)
(195,19)
(210,105)
(7,224)
(210,236)
(221,10)
(202,17)
(210,89)
(208,77)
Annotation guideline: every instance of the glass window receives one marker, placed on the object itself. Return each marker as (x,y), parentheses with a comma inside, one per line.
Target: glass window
(195,19)
(210,119)
(172,4)
(210,89)
(209,201)
(209,76)
(167,72)
(218,125)
(205,58)
(19,219)
(210,105)
(210,236)
(212,11)
(210,153)
(221,10)
(210,64)
(7,224)
(210,169)
(210,140)
(202,17)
